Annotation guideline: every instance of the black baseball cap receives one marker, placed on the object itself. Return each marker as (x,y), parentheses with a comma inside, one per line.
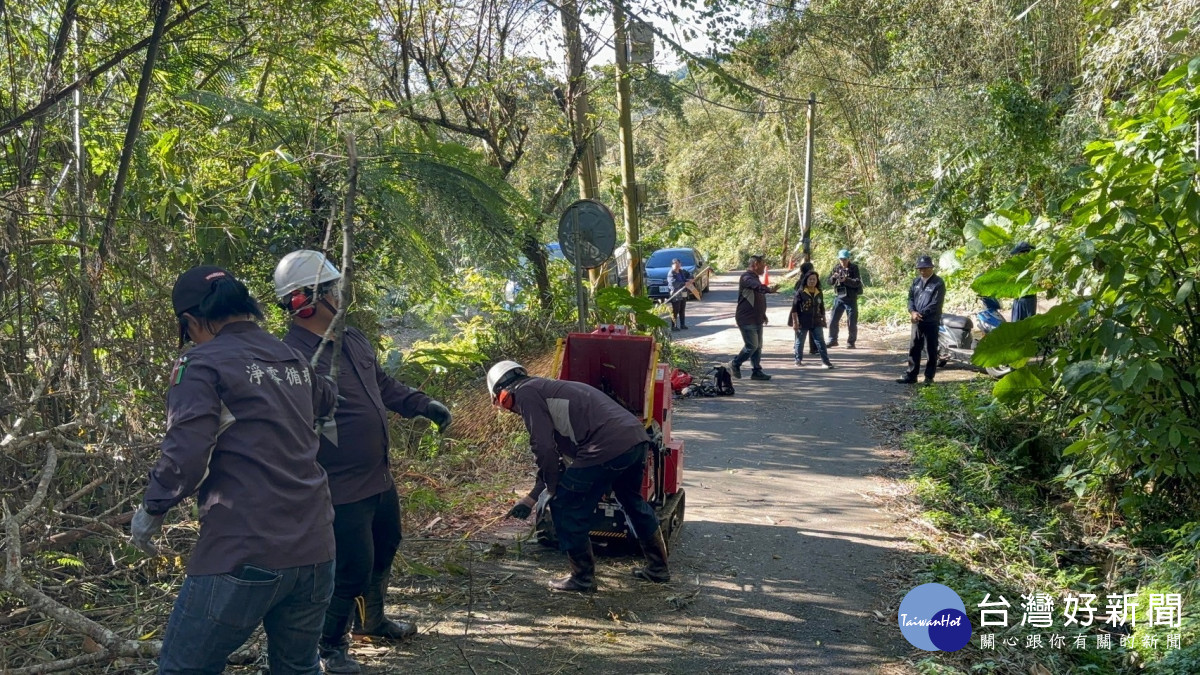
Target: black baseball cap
(924,261)
(190,290)
(194,285)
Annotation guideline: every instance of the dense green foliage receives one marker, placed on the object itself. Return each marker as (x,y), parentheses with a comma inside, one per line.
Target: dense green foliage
(1008,525)
(1122,349)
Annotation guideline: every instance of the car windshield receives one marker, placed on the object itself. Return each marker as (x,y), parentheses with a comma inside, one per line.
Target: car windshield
(664,258)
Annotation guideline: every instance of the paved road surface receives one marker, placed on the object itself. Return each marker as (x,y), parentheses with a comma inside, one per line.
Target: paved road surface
(777,569)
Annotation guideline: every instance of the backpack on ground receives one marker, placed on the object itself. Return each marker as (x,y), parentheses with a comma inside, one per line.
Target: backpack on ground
(723,379)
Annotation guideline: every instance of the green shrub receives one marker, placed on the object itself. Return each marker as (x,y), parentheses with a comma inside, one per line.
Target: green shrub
(886,305)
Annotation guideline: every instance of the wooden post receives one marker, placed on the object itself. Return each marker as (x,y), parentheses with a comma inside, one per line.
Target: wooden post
(787,218)
(625,124)
(806,226)
(578,110)
(577,100)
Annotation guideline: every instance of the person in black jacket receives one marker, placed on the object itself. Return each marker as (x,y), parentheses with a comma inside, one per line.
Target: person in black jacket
(805,268)
(240,412)
(750,315)
(925,298)
(807,317)
(354,451)
(847,286)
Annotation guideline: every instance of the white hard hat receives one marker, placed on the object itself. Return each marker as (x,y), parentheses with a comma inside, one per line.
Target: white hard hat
(499,372)
(303,269)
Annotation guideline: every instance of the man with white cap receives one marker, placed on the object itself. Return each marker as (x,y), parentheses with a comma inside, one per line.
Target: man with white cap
(354,452)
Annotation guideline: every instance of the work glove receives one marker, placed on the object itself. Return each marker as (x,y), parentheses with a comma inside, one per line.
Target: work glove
(142,530)
(439,414)
(520,510)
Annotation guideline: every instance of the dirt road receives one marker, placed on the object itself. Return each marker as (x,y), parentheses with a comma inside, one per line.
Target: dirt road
(778,568)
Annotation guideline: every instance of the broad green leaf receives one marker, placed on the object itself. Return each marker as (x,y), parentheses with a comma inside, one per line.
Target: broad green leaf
(1077,447)
(1154,370)
(948,262)
(1014,342)
(1130,374)
(1016,385)
(1078,372)
(1003,282)
(992,235)
(1185,291)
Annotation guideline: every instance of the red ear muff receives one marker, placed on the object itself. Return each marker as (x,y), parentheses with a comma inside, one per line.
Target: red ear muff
(301,305)
(505,399)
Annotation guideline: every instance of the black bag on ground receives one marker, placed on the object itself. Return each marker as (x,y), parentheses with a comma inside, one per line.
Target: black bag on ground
(723,379)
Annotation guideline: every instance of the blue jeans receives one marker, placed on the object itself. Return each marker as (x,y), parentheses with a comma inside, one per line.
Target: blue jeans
(579,490)
(215,613)
(849,305)
(752,338)
(818,335)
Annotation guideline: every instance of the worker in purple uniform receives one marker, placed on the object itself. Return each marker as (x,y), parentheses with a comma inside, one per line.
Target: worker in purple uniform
(240,414)
(354,451)
(604,447)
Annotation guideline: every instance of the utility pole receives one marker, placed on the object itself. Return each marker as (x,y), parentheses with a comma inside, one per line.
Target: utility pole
(625,122)
(806,226)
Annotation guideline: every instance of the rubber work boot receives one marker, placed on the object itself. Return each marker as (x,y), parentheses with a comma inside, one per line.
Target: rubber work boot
(336,661)
(655,550)
(370,619)
(335,643)
(583,572)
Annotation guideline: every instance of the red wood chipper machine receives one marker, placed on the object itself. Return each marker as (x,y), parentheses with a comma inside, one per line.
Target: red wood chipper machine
(626,368)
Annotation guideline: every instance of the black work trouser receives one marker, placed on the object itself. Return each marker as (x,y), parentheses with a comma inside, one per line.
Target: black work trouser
(679,312)
(924,338)
(848,305)
(367,534)
(580,489)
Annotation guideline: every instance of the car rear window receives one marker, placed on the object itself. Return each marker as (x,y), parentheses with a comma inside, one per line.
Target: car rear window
(664,258)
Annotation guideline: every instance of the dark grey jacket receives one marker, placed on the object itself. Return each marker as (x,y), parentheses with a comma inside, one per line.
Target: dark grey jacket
(751,307)
(677,280)
(354,445)
(846,281)
(926,296)
(575,421)
(240,413)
